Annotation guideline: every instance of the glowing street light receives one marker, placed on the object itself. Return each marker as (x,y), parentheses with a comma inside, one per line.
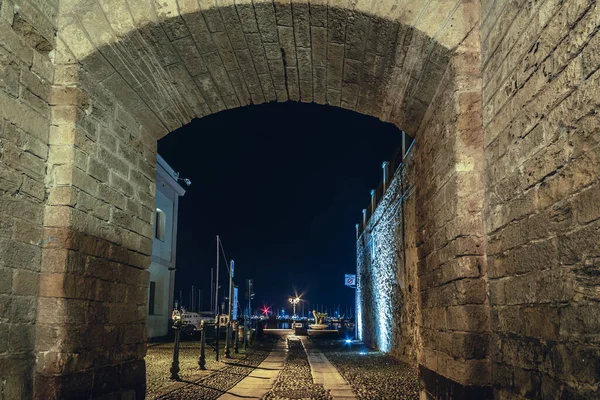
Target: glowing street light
(294,301)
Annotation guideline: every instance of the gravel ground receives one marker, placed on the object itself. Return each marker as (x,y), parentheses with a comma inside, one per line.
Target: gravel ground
(215,384)
(160,356)
(295,380)
(373,375)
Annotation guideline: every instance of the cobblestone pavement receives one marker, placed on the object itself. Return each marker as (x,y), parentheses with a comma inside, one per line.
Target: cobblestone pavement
(209,385)
(158,365)
(373,375)
(295,380)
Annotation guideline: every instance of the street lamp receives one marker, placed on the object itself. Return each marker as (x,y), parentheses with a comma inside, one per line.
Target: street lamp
(294,301)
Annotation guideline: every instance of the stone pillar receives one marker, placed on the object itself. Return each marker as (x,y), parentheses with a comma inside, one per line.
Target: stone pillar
(26,73)
(27,35)
(451,241)
(91,333)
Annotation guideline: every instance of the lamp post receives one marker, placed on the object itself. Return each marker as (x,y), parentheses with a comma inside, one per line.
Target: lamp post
(294,301)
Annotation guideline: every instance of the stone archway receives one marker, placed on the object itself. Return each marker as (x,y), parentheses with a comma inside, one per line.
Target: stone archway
(126,74)
(500,97)
(173,61)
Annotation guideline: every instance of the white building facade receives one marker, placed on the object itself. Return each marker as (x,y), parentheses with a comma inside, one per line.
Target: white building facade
(162,267)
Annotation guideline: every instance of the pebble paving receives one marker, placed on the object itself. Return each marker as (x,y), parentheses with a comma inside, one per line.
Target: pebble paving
(214,385)
(295,379)
(160,356)
(373,375)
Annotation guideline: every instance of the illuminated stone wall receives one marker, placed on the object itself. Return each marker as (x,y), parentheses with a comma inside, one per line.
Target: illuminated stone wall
(387,281)
(436,241)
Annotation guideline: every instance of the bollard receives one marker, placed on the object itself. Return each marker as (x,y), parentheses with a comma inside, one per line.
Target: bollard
(249,331)
(237,338)
(177,329)
(202,359)
(227,349)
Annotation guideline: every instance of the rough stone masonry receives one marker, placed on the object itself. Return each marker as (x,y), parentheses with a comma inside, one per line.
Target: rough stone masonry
(494,257)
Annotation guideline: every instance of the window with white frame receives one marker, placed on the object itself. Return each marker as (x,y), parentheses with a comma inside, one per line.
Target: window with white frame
(160,224)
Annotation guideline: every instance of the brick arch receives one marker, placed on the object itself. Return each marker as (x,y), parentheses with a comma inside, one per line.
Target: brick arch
(128,73)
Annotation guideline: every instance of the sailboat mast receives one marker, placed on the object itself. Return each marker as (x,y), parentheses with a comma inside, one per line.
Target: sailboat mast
(217,281)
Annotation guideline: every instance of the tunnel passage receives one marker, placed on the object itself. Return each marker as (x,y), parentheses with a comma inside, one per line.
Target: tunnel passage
(498,96)
(125,78)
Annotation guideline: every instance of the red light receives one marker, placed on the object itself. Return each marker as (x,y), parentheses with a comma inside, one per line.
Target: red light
(265,310)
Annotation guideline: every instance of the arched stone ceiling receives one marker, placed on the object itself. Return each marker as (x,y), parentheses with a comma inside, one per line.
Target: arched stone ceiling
(169,61)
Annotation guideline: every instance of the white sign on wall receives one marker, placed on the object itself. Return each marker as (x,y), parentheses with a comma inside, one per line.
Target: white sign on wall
(350,280)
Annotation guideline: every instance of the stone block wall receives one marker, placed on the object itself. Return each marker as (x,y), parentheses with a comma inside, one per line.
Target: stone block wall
(128,72)
(450,195)
(91,332)
(542,134)
(26,73)
(387,292)
(178,60)
(490,264)
(443,237)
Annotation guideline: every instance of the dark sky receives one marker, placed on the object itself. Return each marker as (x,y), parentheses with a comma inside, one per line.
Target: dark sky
(283,184)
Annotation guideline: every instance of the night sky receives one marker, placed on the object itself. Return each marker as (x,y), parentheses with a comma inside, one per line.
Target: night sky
(283,184)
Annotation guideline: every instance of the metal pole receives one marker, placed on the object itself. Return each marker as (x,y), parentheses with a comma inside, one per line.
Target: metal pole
(230,301)
(249,302)
(356,310)
(217,331)
(237,338)
(249,312)
(202,359)
(217,281)
(217,322)
(384,166)
(245,333)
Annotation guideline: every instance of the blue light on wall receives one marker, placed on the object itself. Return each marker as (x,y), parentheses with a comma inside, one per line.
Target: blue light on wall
(359,313)
(378,303)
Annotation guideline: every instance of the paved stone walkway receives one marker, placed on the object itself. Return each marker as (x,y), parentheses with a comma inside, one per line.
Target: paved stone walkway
(258,383)
(325,373)
(261,380)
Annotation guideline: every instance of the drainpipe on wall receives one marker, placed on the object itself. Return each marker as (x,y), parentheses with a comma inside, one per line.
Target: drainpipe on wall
(384,166)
